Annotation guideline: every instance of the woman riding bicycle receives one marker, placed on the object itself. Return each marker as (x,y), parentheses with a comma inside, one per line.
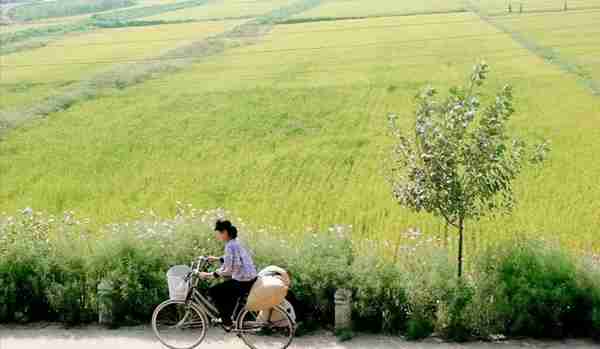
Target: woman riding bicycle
(236,264)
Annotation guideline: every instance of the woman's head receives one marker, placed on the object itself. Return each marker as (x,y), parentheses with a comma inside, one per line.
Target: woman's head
(225,231)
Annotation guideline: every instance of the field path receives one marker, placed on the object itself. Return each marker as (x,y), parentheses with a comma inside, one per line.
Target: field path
(55,337)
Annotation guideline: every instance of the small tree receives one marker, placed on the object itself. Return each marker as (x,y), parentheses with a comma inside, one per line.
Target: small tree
(460,164)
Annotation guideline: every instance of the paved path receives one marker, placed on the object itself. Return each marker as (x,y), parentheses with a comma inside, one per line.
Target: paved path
(55,337)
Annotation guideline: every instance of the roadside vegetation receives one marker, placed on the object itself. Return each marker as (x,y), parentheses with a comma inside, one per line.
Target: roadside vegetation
(50,267)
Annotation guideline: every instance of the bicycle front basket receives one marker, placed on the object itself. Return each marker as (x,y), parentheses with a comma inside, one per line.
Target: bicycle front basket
(178,285)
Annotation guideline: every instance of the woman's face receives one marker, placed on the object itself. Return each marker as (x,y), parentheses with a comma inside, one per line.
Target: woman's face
(221,235)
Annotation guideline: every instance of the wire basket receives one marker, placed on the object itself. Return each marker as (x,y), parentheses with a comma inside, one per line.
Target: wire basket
(178,285)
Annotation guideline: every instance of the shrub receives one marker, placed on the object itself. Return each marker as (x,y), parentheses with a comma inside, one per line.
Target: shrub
(23,253)
(538,290)
(380,300)
(419,327)
(69,287)
(27,271)
(23,277)
(137,273)
(428,279)
(452,319)
(318,263)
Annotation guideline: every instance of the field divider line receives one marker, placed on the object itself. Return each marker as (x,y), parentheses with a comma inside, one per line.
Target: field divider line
(127,75)
(350,18)
(306,73)
(391,44)
(374,44)
(484,54)
(541,51)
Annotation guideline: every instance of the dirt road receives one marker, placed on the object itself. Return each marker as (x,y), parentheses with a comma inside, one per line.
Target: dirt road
(55,337)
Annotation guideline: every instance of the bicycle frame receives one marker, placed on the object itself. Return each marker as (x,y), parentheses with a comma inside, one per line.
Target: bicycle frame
(198,299)
(195,297)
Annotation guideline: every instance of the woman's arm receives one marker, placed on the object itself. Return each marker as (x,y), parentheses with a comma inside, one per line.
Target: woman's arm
(230,262)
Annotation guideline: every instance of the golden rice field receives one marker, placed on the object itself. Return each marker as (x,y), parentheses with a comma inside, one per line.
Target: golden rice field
(574,40)
(496,7)
(291,132)
(361,8)
(224,9)
(29,76)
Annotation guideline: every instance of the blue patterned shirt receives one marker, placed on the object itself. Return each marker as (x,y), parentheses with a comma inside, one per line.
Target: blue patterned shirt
(237,262)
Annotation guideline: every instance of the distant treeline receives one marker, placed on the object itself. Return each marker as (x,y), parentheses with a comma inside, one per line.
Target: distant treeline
(65,8)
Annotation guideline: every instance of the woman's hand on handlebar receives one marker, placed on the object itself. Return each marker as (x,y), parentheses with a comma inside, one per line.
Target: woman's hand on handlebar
(205,275)
(213,259)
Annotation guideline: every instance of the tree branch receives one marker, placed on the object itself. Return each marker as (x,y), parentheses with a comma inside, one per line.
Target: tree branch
(452,223)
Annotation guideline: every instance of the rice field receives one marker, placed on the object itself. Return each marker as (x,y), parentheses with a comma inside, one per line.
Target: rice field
(291,132)
(224,9)
(32,75)
(499,7)
(365,8)
(574,46)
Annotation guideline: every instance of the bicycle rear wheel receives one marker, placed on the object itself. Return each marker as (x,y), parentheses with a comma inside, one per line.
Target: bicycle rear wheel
(178,325)
(271,329)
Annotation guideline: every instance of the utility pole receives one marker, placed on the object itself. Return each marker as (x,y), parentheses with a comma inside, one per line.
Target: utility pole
(510,7)
(520,7)
(566,7)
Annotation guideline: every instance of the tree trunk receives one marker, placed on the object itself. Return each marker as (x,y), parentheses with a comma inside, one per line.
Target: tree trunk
(446,235)
(461,227)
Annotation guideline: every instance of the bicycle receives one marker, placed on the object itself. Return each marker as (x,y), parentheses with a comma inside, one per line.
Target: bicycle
(182,324)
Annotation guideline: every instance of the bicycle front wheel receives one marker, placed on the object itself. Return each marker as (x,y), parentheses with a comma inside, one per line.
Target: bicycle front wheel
(178,325)
(270,329)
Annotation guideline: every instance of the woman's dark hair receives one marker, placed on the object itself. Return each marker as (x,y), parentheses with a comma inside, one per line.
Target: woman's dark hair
(228,227)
